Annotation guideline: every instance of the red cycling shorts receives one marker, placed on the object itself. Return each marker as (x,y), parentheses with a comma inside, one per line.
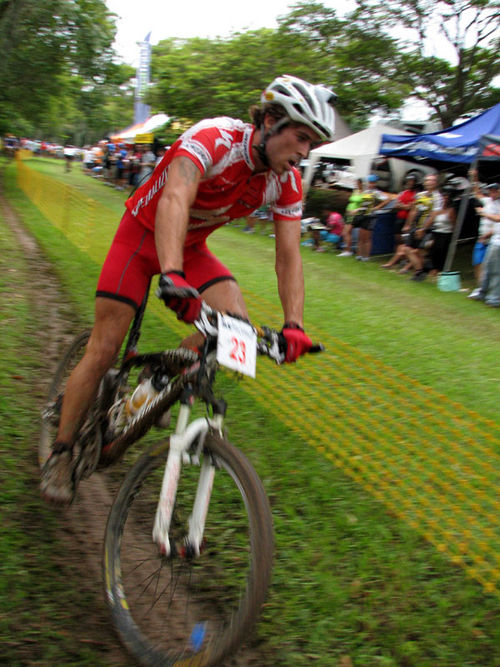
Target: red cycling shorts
(132,262)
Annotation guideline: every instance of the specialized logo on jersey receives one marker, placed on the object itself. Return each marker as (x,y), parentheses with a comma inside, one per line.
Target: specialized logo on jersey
(292,212)
(156,185)
(199,151)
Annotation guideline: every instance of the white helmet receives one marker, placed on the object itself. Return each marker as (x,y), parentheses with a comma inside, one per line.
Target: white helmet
(304,103)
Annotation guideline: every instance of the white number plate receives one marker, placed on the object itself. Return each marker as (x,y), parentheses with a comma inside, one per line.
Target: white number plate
(237,345)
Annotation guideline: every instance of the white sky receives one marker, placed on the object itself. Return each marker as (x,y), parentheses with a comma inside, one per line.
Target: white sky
(213,18)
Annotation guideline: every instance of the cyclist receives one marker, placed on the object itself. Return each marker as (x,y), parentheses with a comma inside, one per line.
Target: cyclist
(219,170)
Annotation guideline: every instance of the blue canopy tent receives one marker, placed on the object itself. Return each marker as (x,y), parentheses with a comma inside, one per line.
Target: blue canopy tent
(454,149)
(488,157)
(456,146)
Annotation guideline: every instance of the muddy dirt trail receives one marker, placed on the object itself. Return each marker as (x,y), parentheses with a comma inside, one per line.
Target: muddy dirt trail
(82,526)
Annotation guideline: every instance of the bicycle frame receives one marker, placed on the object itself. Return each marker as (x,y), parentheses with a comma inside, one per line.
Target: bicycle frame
(181,442)
(187,441)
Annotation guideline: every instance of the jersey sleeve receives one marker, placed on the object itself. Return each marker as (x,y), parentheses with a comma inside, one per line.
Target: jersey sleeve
(204,145)
(288,206)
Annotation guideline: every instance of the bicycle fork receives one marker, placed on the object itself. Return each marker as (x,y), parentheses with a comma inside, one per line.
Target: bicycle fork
(180,442)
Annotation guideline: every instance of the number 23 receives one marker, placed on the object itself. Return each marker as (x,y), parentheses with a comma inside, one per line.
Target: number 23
(238,351)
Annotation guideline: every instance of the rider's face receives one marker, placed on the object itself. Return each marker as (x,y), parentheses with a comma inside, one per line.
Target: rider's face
(289,146)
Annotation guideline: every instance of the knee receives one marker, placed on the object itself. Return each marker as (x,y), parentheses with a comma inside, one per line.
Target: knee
(103,352)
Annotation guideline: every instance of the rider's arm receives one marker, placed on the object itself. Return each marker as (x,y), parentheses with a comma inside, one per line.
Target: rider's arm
(172,214)
(289,270)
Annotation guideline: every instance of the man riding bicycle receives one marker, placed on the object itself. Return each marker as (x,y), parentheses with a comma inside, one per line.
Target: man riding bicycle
(219,170)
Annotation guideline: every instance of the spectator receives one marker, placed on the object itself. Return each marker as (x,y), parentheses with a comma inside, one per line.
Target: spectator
(413,234)
(69,154)
(489,290)
(159,154)
(134,166)
(148,161)
(352,206)
(485,227)
(441,222)
(121,167)
(334,227)
(372,199)
(108,162)
(262,215)
(329,231)
(88,160)
(402,206)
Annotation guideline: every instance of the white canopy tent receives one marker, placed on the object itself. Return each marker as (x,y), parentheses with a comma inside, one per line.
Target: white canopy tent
(151,124)
(360,148)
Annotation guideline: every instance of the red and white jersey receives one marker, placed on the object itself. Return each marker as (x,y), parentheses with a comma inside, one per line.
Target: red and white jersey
(228,189)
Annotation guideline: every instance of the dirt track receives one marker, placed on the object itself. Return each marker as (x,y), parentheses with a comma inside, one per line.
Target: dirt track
(82,526)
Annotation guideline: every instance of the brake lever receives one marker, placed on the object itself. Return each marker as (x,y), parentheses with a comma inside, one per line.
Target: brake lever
(205,322)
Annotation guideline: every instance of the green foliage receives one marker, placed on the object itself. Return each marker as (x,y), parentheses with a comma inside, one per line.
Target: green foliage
(367,57)
(200,78)
(448,55)
(57,63)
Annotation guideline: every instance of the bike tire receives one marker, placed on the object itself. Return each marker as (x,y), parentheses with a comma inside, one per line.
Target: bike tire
(49,424)
(179,611)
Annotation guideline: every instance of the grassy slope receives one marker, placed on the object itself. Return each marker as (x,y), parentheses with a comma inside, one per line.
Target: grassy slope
(350,580)
(40,578)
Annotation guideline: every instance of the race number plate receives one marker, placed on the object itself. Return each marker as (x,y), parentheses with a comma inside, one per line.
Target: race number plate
(237,345)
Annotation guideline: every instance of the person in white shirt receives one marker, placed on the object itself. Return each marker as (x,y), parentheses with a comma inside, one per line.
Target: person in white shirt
(148,161)
(483,233)
(489,290)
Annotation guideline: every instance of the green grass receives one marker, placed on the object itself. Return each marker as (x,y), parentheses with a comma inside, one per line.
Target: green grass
(352,579)
(39,576)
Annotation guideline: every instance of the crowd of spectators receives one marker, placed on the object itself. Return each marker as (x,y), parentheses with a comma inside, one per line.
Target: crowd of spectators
(486,253)
(123,166)
(423,218)
(423,221)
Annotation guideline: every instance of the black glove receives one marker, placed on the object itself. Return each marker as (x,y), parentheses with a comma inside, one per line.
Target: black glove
(179,296)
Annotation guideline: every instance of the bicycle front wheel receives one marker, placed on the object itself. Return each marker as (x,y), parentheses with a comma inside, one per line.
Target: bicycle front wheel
(185,610)
(52,408)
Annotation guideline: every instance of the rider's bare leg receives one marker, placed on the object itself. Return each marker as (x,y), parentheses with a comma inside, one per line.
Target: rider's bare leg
(225,296)
(112,320)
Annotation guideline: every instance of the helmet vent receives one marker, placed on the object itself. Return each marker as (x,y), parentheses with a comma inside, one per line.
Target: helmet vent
(282,90)
(305,95)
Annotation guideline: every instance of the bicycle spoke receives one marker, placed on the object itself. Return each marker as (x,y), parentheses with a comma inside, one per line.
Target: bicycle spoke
(181,604)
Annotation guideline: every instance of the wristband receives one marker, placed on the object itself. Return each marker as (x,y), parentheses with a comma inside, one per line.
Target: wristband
(177,273)
(293,325)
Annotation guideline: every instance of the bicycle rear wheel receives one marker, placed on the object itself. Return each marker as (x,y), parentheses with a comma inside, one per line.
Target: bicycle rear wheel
(181,610)
(52,407)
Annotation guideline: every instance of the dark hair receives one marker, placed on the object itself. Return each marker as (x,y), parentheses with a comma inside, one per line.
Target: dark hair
(258,113)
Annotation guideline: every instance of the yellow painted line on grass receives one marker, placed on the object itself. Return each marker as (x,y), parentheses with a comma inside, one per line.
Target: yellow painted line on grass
(430,460)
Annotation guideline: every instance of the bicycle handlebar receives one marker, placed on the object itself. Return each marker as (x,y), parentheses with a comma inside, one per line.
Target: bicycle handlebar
(270,343)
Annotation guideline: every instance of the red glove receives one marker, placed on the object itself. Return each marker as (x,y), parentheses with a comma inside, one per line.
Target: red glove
(297,343)
(179,296)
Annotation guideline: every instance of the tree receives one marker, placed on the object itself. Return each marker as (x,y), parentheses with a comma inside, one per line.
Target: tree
(200,78)
(358,61)
(449,55)
(57,57)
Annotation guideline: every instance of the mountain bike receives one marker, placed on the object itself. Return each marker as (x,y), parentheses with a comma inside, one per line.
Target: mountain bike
(188,545)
